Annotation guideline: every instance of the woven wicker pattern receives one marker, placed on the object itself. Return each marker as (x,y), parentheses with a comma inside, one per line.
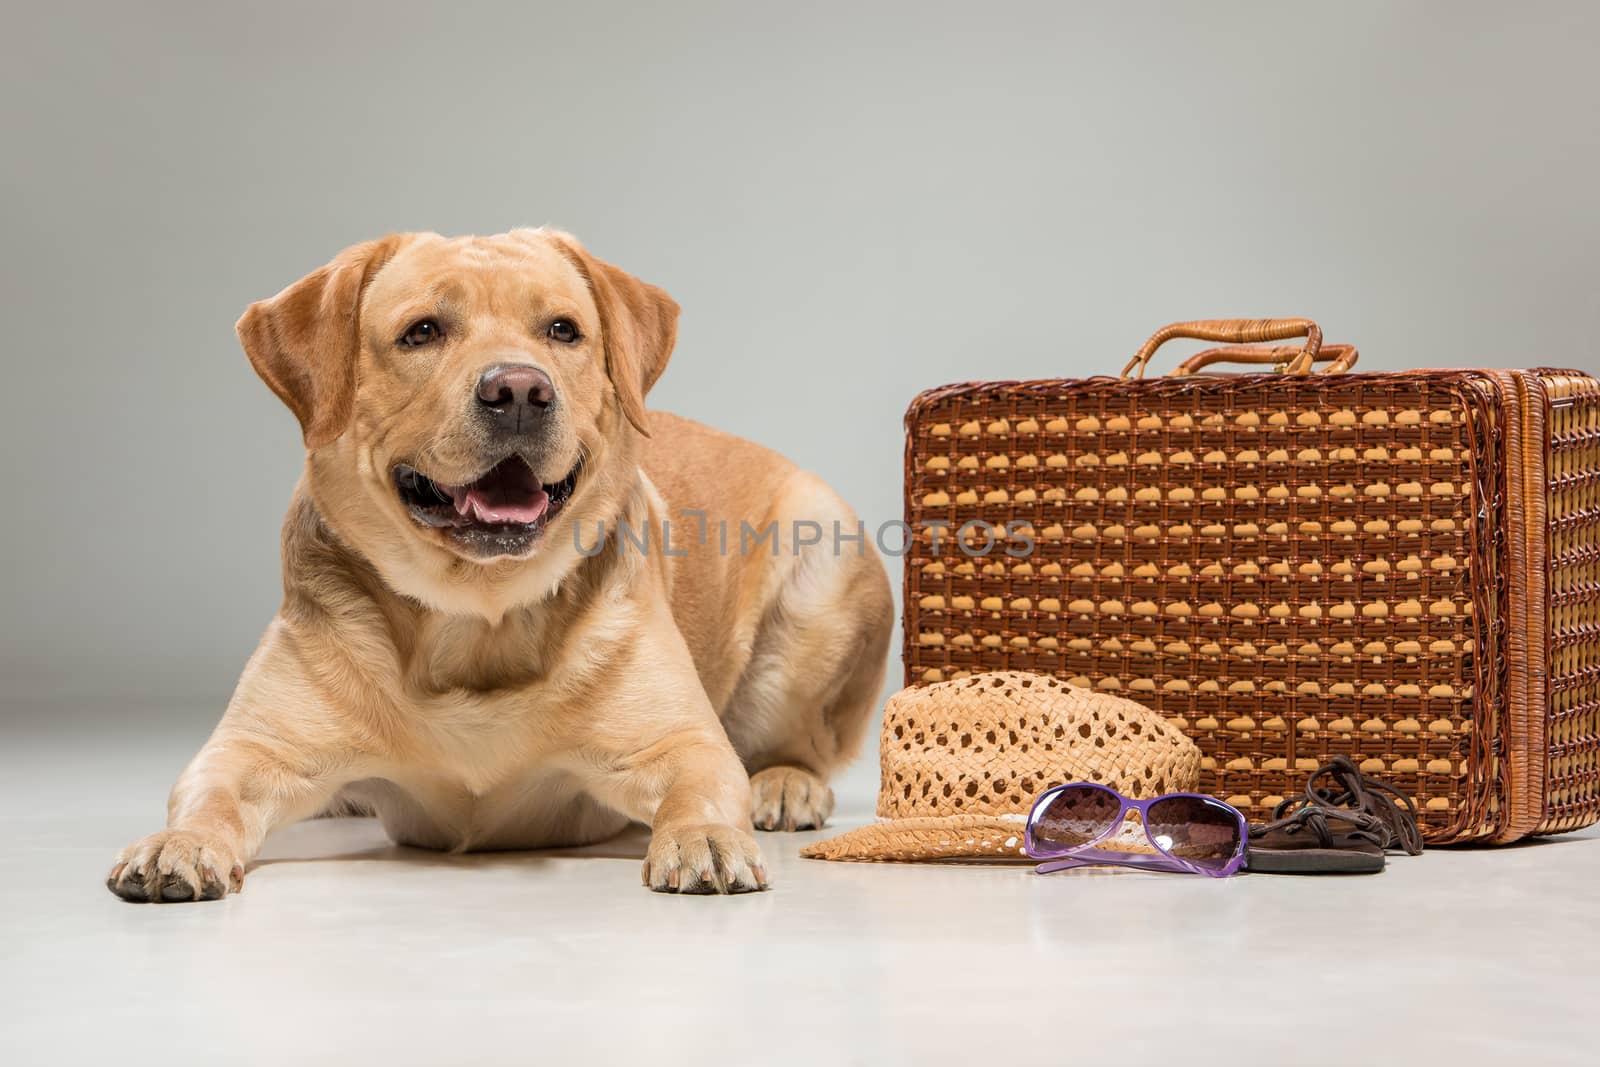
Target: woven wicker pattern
(958,758)
(1289,568)
(1573,771)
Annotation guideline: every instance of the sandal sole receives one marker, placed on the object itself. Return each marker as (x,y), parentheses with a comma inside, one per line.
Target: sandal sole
(1311,861)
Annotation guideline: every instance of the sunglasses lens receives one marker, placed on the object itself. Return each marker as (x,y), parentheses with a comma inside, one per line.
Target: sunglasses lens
(1204,832)
(1075,816)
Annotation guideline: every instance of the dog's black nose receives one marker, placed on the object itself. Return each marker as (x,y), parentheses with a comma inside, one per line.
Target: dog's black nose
(517,392)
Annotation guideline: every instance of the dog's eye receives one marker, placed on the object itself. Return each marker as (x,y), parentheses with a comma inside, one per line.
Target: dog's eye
(564,331)
(421,332)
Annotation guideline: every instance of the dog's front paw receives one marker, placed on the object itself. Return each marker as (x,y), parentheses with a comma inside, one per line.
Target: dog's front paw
(175,865)
(789,798)
(704,859)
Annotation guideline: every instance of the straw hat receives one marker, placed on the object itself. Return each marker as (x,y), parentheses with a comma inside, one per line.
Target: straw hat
(961,762)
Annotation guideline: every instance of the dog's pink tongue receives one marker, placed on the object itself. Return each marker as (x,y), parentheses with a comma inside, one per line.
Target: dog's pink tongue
(493,503)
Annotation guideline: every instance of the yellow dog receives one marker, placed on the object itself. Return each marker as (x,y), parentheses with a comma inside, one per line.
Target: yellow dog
(520,610)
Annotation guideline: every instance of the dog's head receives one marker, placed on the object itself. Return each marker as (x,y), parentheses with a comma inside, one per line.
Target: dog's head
(464,400)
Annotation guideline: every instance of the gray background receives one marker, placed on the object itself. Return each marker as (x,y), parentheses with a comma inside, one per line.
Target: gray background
(852,202)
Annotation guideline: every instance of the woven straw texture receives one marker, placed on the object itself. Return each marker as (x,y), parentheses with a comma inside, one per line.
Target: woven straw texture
(1400,568)
(951,837)
(957,758)
(1573,770)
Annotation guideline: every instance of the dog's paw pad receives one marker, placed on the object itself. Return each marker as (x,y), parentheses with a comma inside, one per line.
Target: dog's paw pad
(789,798)
(173,866)
(704,859)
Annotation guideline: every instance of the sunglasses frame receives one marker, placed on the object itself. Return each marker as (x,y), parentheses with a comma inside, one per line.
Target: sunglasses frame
(1086,854)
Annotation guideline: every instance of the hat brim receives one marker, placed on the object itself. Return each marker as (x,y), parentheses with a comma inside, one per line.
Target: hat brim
(932,838)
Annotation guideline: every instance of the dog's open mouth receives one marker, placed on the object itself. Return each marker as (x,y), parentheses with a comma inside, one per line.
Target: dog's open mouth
(502,512)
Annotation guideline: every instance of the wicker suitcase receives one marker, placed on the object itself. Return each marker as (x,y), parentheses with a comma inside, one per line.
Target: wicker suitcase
(1403,568)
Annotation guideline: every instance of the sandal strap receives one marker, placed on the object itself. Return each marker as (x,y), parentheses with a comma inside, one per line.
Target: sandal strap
(1318,820)
(1374,810)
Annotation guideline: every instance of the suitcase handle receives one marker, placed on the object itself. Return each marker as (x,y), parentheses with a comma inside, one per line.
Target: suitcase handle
(1339,358)
(1235,332)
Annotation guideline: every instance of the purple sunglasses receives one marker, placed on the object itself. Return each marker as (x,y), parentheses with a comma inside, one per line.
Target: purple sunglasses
(1194,834)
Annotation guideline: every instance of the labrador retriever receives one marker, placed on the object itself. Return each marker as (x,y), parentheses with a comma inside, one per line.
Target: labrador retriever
(520,610)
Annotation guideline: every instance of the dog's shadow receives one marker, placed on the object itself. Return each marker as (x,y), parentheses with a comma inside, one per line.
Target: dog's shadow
(362,840)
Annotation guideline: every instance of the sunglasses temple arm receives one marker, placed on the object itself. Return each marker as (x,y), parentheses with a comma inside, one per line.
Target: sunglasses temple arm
(1093,858)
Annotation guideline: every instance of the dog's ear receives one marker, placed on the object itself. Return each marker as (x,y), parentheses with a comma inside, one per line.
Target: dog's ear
(640,323)
(304,341)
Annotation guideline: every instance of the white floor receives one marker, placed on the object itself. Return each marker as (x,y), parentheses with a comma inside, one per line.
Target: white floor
(345,950)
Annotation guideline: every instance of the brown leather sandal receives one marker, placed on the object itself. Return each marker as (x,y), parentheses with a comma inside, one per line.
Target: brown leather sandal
(1343,827)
